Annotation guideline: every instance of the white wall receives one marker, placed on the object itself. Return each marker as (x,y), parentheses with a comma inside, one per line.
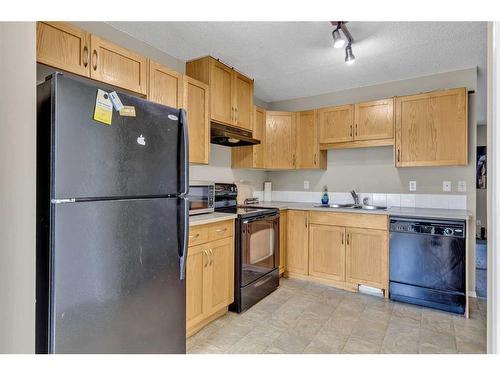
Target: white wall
(17,194)
(219,170)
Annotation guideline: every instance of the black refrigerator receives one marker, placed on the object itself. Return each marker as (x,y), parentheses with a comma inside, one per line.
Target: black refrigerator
(112,224)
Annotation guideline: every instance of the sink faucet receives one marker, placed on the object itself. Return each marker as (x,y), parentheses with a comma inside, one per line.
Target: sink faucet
(355,197)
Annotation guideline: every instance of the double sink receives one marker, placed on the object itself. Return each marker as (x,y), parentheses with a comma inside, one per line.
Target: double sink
(352,206)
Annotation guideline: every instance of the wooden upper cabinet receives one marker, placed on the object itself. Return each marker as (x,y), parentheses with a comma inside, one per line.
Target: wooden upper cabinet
(196,103)
(243,105)
(307,141)
(259,132)
(164,85)
(336,124)
(252,156)
(297,242)
(431,129)
(374,120)
(231,92)
(63,46)
(118,66)
(280,140)
(327,252)
(222,90)
(367,257)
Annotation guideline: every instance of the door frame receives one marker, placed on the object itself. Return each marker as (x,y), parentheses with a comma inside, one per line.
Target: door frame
(493,206)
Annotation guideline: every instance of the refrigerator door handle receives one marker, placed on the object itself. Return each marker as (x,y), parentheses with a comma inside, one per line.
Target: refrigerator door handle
(184,178)
(184,235)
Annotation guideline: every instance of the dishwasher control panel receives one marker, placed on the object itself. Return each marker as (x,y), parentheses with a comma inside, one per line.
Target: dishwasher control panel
(437,228)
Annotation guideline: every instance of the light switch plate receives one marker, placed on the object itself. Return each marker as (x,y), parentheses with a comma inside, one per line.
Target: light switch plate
(413,186)
(447,186)
(306,185)
(462,186)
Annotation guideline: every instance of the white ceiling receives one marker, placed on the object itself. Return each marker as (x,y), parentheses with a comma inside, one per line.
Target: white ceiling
(297,59)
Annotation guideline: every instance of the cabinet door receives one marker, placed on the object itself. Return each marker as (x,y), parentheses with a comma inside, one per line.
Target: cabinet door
(197,263)
(327,252)
(297,242)
(259,132)
(283,235)
(195,102)
(374,120)
(280,140)
(243,105)
(165,85)
(307,141)
(221,92)
(118,66)
(431,129)
(220,276)
(63,46)
(367,257)
(336,124)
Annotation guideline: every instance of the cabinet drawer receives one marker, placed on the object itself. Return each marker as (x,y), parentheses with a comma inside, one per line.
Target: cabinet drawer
(347,219)
(198,235)
(220,230)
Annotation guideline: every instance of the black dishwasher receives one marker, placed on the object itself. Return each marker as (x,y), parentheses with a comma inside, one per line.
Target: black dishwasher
(427,263)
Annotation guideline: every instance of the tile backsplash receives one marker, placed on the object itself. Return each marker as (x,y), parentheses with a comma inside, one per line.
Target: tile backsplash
(441,201)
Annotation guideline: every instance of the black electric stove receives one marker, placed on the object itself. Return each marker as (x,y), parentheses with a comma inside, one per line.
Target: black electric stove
(256,266)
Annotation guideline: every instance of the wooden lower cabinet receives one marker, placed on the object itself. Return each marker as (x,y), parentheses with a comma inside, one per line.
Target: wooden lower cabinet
(297,242)
(209,274)
(283,236)
(327,252)
(340,249)
(367,257)
(195,290)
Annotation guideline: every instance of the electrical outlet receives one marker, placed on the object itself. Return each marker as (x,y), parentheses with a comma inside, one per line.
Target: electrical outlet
(413,186)
(447,186)
(478,222)
(462,186)
(306,185)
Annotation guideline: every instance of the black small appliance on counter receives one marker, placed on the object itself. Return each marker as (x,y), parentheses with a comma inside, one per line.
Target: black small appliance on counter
(256,266)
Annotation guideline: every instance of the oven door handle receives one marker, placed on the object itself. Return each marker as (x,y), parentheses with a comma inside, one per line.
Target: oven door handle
(272,216)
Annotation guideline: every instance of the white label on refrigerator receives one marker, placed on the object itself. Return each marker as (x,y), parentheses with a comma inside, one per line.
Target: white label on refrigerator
(115,99)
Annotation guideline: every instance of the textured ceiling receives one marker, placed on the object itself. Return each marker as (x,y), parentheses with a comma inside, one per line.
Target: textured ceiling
(297,59)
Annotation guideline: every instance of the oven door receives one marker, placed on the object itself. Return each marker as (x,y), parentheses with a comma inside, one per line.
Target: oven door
(259,247)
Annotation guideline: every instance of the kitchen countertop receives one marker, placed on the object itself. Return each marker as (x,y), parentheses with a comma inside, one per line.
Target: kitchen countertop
(210,218)
(433,213)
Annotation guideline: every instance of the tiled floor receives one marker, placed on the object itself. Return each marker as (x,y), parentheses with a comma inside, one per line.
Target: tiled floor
(303,317)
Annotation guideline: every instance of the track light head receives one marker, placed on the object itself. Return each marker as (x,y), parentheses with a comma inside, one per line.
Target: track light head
(338,41)
(349,56)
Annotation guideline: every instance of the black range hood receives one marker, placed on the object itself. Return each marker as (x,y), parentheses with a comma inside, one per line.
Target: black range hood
(230,136)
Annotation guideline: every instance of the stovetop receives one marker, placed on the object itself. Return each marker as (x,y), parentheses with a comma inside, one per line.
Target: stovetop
(246,212)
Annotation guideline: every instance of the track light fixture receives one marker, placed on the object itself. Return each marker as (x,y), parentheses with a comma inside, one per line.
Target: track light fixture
(349,57)
(339,41)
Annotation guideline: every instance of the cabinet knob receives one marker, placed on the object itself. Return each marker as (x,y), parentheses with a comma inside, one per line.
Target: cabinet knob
(206,258)
(85,56)
(94,59)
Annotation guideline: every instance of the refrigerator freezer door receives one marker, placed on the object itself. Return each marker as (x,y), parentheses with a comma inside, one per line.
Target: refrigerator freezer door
(115,285)
(135,156)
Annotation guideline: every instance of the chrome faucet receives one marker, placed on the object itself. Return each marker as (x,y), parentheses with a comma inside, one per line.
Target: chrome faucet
(355,197)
